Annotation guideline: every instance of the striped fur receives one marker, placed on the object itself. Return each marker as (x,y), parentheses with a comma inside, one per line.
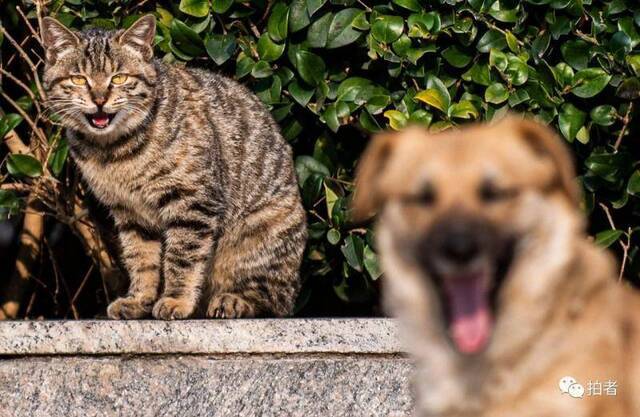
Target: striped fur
(194,170)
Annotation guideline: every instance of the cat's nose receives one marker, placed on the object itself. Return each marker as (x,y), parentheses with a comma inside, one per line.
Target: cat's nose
(100,100)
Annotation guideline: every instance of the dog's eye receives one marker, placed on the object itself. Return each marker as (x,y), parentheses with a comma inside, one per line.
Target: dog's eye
(426,197)
(490,193)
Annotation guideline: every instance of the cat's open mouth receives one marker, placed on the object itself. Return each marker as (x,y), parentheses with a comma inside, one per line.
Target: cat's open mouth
(100,120)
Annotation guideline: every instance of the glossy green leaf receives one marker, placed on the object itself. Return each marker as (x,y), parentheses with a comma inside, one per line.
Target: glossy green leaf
(436,95)
(517,71)
(423,25)
(371,263)
(456,58)
(310,66)
(261,69)
(306,165)
(353,251)
(498,59)
(330,117)
(608,237)
(479,74)
(491,40)
(604,115)
(633,186)
(397,119)
(198,8)
(220,47)
(464,110)
(300,94)
(318,32)
(9,203)
(278,24)
(412,5)
(570,120)
(185,39)
(8,122)
(59,157)
(221,6)
(496,93)
(386,28)
(576,53)
(341,30)
(298,16)
(589,82)
(333,236)
(314,5)
(23,165)
(268,50)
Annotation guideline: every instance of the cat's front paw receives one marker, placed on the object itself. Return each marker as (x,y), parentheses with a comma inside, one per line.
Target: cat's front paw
(169,308)
(128,308)
(229,306)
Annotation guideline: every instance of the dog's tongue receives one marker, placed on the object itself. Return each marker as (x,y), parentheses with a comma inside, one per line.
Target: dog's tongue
(100,120)
(470,317)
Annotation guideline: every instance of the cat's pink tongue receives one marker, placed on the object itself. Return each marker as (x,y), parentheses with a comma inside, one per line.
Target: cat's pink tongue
(470,316)
(100,120)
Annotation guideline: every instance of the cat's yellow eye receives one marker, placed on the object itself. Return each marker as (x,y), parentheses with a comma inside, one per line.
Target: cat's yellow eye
(78,80)
(119,79)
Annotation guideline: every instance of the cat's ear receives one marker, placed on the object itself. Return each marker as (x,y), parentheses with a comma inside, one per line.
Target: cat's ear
(57,39)
(140,36)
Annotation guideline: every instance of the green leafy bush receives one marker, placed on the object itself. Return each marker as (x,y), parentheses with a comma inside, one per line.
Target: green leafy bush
(334,72)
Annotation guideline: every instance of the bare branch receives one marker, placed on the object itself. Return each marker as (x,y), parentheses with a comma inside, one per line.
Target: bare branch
(625,246)
(23,86)
(15,187)
(93,244)
(35,34)
(27,59)
(625,123)
(36,130)
(15,144)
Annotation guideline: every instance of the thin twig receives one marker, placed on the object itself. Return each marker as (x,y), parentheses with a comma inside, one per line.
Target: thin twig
(23,86)
(38,132)
(625,123)
(32,301)
(625,246)
(27,59)
(31,29)
(14,186)
(84,281)
(39,13)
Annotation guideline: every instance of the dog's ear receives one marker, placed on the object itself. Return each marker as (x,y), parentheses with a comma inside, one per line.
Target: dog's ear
(545,142)
(369,196)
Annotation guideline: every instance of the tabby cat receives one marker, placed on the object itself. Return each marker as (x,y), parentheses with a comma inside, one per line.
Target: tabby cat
(192,167)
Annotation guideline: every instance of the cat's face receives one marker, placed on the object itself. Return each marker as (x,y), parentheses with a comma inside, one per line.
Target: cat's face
(100,83)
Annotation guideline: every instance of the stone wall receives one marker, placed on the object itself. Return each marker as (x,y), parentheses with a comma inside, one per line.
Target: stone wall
(291,367)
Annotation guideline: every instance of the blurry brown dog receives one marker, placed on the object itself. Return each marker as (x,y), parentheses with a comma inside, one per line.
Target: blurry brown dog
(501,299)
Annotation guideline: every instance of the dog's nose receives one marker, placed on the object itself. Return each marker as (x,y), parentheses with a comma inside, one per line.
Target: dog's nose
(457,241)
(461,246)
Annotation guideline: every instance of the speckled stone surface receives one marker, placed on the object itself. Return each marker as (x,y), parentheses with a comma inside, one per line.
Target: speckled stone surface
(199,336)
(197,386)
(350,367)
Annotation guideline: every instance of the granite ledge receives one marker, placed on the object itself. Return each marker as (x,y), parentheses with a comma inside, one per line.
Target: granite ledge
(200,337)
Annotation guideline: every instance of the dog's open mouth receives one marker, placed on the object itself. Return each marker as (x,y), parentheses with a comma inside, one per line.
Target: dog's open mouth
(100,120)
(468,310)
(469,301)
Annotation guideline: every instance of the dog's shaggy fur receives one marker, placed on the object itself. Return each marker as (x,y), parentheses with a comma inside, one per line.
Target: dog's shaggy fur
(489,270)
